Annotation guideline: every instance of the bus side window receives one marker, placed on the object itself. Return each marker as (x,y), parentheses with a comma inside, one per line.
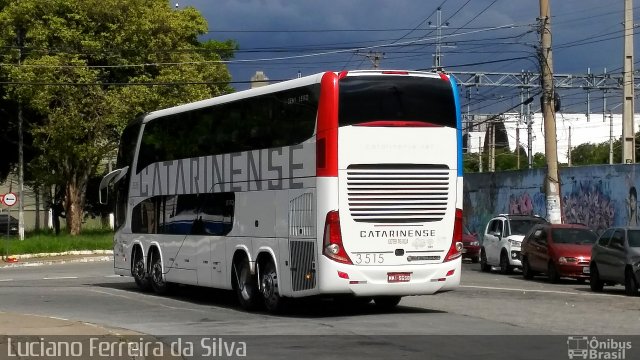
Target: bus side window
(216,213)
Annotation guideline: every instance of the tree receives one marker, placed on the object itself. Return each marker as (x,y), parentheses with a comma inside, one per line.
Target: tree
(89,66)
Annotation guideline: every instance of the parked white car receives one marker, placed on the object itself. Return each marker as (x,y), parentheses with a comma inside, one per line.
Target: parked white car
(502,240)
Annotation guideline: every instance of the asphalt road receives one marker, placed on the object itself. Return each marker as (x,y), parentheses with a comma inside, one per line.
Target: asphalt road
(484,306)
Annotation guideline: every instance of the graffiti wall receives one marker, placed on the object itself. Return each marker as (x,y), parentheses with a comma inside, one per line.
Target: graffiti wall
(598,196)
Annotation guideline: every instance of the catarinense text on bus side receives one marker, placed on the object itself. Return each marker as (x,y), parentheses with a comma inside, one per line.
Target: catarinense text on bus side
(267,169)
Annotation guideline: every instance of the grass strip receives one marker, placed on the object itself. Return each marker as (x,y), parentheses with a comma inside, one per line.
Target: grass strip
(47,242)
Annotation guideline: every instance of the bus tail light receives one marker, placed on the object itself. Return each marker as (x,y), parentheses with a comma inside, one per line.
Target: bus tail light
(332,242)
(455,250)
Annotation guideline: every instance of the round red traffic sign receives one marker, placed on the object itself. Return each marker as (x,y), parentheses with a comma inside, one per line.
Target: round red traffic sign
(9,199)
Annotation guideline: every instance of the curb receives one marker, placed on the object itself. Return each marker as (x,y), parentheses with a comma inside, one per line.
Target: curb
(59,258)
(65,253)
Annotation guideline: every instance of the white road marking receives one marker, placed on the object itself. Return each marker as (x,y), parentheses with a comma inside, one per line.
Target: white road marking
(113,276)
(59,277)
(538,291)
(142,299)
(5,280)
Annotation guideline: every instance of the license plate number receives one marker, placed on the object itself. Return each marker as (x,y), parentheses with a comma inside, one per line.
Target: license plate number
(586,270)
(395,277)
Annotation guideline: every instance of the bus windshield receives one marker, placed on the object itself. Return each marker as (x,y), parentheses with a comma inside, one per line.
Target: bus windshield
(396,98)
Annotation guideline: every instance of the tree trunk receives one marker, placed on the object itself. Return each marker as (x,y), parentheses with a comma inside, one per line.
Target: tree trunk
(74,202)
(36,191)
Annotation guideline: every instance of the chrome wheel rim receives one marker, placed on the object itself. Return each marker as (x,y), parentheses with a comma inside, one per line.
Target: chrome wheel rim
(157,274)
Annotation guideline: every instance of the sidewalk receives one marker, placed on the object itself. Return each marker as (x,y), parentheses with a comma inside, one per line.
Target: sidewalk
(57,258)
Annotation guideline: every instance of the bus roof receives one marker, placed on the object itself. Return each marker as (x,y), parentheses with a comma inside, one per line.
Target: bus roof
(271,88)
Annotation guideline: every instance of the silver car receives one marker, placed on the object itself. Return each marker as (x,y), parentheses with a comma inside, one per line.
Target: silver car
(615,259)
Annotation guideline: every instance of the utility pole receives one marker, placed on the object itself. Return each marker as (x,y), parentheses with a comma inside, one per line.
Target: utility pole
(569,148)
(610,138)
(628,135)
(20,150)
(437,57)
(480,153)
(492,150)
(529,133)
(518,145)
(552,182)
(374,57)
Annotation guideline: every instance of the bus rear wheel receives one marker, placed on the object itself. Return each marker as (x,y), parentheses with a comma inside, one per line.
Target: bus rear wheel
(246,285)
(139,272)
(269,286)
(158,283)
(387,302)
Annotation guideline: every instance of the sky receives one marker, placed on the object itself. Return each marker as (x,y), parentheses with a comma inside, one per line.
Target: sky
(287,38)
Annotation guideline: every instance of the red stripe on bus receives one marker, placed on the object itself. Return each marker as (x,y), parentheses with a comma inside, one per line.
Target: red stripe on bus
(327,132)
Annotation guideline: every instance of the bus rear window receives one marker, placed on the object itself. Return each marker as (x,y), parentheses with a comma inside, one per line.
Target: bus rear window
(365,99)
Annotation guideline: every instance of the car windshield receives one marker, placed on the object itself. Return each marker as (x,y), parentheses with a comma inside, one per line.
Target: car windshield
(573,236)
(634,238)
(465,230)
(522,226)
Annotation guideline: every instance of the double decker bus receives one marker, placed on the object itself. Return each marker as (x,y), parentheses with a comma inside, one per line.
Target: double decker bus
(335,184)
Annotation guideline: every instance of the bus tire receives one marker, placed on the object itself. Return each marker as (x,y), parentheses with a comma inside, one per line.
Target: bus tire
(245,285)
(273,302)
(387,302)
(139,270)
(158,282)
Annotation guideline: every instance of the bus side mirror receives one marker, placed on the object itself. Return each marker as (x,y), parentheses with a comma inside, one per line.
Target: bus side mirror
(109,179)
(103,196)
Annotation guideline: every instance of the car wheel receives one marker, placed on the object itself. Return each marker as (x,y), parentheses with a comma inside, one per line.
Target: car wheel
(594,280)
(387,302)
(158,282)
(630,283)
(552,273)
(245,285)
(504,264)
(484,266)
(526,269)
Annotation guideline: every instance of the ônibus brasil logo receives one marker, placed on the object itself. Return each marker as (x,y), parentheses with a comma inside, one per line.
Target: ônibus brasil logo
(583,347)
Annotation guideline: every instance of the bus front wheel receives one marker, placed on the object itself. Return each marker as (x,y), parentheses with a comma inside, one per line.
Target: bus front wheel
(269,286)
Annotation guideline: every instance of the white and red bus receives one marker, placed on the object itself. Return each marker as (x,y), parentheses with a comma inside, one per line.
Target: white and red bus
(335,184)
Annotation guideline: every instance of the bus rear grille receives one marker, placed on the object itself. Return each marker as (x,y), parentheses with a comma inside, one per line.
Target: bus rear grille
(303,276)
(397,193)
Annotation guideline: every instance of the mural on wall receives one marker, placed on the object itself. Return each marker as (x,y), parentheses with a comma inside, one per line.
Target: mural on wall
(598,196)
(489,194)
(588,204)
(525,204)
(633,218)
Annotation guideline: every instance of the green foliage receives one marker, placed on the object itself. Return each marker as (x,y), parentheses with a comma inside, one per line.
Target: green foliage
(79,60)
(46,242)
(505,160)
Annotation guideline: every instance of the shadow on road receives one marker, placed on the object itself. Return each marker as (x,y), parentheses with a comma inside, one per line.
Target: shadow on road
(312,307)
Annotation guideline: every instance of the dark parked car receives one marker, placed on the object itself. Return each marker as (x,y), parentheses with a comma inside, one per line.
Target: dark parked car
(558,250)
(10,222)
(471,245)
(615,259)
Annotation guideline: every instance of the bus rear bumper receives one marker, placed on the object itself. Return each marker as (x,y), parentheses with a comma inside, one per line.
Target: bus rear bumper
(385,280)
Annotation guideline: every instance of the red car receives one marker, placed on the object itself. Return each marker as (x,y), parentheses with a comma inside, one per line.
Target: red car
(558,250)
(470,245)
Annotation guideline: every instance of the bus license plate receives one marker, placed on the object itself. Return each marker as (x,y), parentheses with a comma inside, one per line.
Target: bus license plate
(394,277)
